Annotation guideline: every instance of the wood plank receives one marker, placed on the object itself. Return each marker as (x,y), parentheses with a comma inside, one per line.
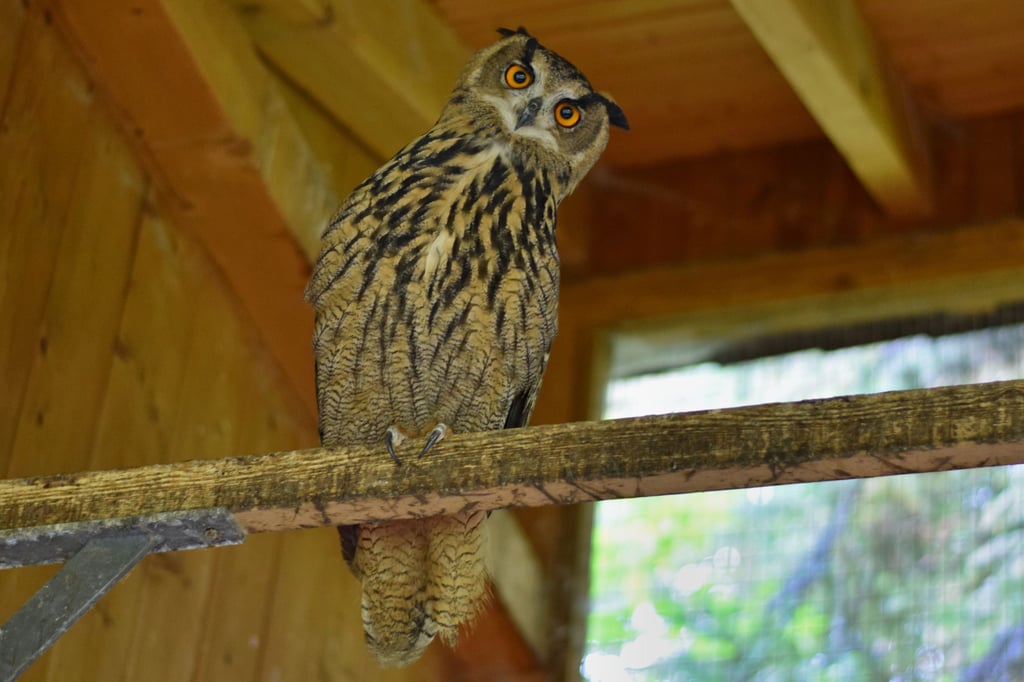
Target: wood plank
(383,70)
(996,167)
(831,59)
(964,59)
(232,639)
(12,20)
(207,416)
(69,373)
(236,406)
(872,435)
(787,198)
(45,101)
(222,146)
(70,211)
(235,634)
(207,388)
(135,426)
(967,268)
(344,158)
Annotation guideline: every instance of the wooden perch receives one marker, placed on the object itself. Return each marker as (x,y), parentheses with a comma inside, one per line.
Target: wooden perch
(817,440)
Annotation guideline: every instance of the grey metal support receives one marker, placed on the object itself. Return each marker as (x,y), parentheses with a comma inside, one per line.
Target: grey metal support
(66,597)
(96,554)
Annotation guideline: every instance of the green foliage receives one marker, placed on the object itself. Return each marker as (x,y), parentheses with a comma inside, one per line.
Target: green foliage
(900,579)
(916,585)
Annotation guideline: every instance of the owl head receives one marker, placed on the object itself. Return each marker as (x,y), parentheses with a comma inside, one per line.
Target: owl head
(537,103)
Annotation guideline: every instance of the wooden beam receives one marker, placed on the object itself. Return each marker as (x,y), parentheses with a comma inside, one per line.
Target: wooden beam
(218,139)
(818,440)
(830,58)
(384,70)
(964,269)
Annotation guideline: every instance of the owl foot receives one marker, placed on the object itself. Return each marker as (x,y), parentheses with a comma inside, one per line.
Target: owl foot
(392,439)
(439,432)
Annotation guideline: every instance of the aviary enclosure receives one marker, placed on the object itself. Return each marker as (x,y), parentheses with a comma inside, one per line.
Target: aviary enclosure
(167,167)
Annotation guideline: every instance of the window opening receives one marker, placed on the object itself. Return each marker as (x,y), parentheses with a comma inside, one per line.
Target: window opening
(901,578)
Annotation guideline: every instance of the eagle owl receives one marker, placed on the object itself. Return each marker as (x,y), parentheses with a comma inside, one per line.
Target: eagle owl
(435,294)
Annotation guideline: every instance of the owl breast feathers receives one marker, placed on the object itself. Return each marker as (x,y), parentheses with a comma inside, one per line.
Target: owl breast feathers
(436,295)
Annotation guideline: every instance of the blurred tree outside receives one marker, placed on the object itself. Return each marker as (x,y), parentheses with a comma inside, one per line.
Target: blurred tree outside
(902,578)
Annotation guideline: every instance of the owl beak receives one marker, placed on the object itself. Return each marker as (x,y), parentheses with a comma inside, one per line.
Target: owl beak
(528,113)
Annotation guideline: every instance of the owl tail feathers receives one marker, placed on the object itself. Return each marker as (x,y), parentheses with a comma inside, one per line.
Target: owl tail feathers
(389,560)
(398,649)
(420,578)
(457,581)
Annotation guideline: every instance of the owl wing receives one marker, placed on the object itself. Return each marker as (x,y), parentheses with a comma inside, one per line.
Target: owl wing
(523,402)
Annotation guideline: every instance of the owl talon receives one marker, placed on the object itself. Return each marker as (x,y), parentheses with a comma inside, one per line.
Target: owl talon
(392,439)
(439,432)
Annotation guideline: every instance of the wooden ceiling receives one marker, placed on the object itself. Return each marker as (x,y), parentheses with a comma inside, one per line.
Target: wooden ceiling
(694,79)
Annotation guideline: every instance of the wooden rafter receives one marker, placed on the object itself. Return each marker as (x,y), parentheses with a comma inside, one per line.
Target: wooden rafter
(383,70)
(830,58)
(955,269)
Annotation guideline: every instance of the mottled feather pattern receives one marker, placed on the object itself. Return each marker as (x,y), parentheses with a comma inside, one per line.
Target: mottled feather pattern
(436,296)
(392,290)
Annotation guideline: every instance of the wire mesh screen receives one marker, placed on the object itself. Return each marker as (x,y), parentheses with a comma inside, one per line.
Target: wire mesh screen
(905,578)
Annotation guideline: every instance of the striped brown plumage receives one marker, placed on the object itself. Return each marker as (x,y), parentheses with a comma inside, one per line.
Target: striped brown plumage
(436,297)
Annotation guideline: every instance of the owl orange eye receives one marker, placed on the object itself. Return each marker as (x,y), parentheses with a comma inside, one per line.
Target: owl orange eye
(517,76)
(567,114)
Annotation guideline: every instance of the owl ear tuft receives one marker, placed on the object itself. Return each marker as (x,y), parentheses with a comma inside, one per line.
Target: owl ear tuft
(506,32)
(615,115)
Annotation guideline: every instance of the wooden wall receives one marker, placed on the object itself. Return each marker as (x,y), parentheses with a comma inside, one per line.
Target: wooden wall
(121,345)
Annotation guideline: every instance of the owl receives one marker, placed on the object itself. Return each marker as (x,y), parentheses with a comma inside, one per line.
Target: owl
(436,295)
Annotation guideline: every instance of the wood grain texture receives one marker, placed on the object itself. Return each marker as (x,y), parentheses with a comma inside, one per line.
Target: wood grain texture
(874,435)
(787,198)
(36,192)
(122,346)
(230,161)
(70,202)
(134,426)
(991,256)
(963,59)
(831,59)
(716,89)
(383,70)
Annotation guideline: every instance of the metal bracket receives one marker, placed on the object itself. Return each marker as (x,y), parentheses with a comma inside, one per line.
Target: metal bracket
(194,529)
(97,555)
